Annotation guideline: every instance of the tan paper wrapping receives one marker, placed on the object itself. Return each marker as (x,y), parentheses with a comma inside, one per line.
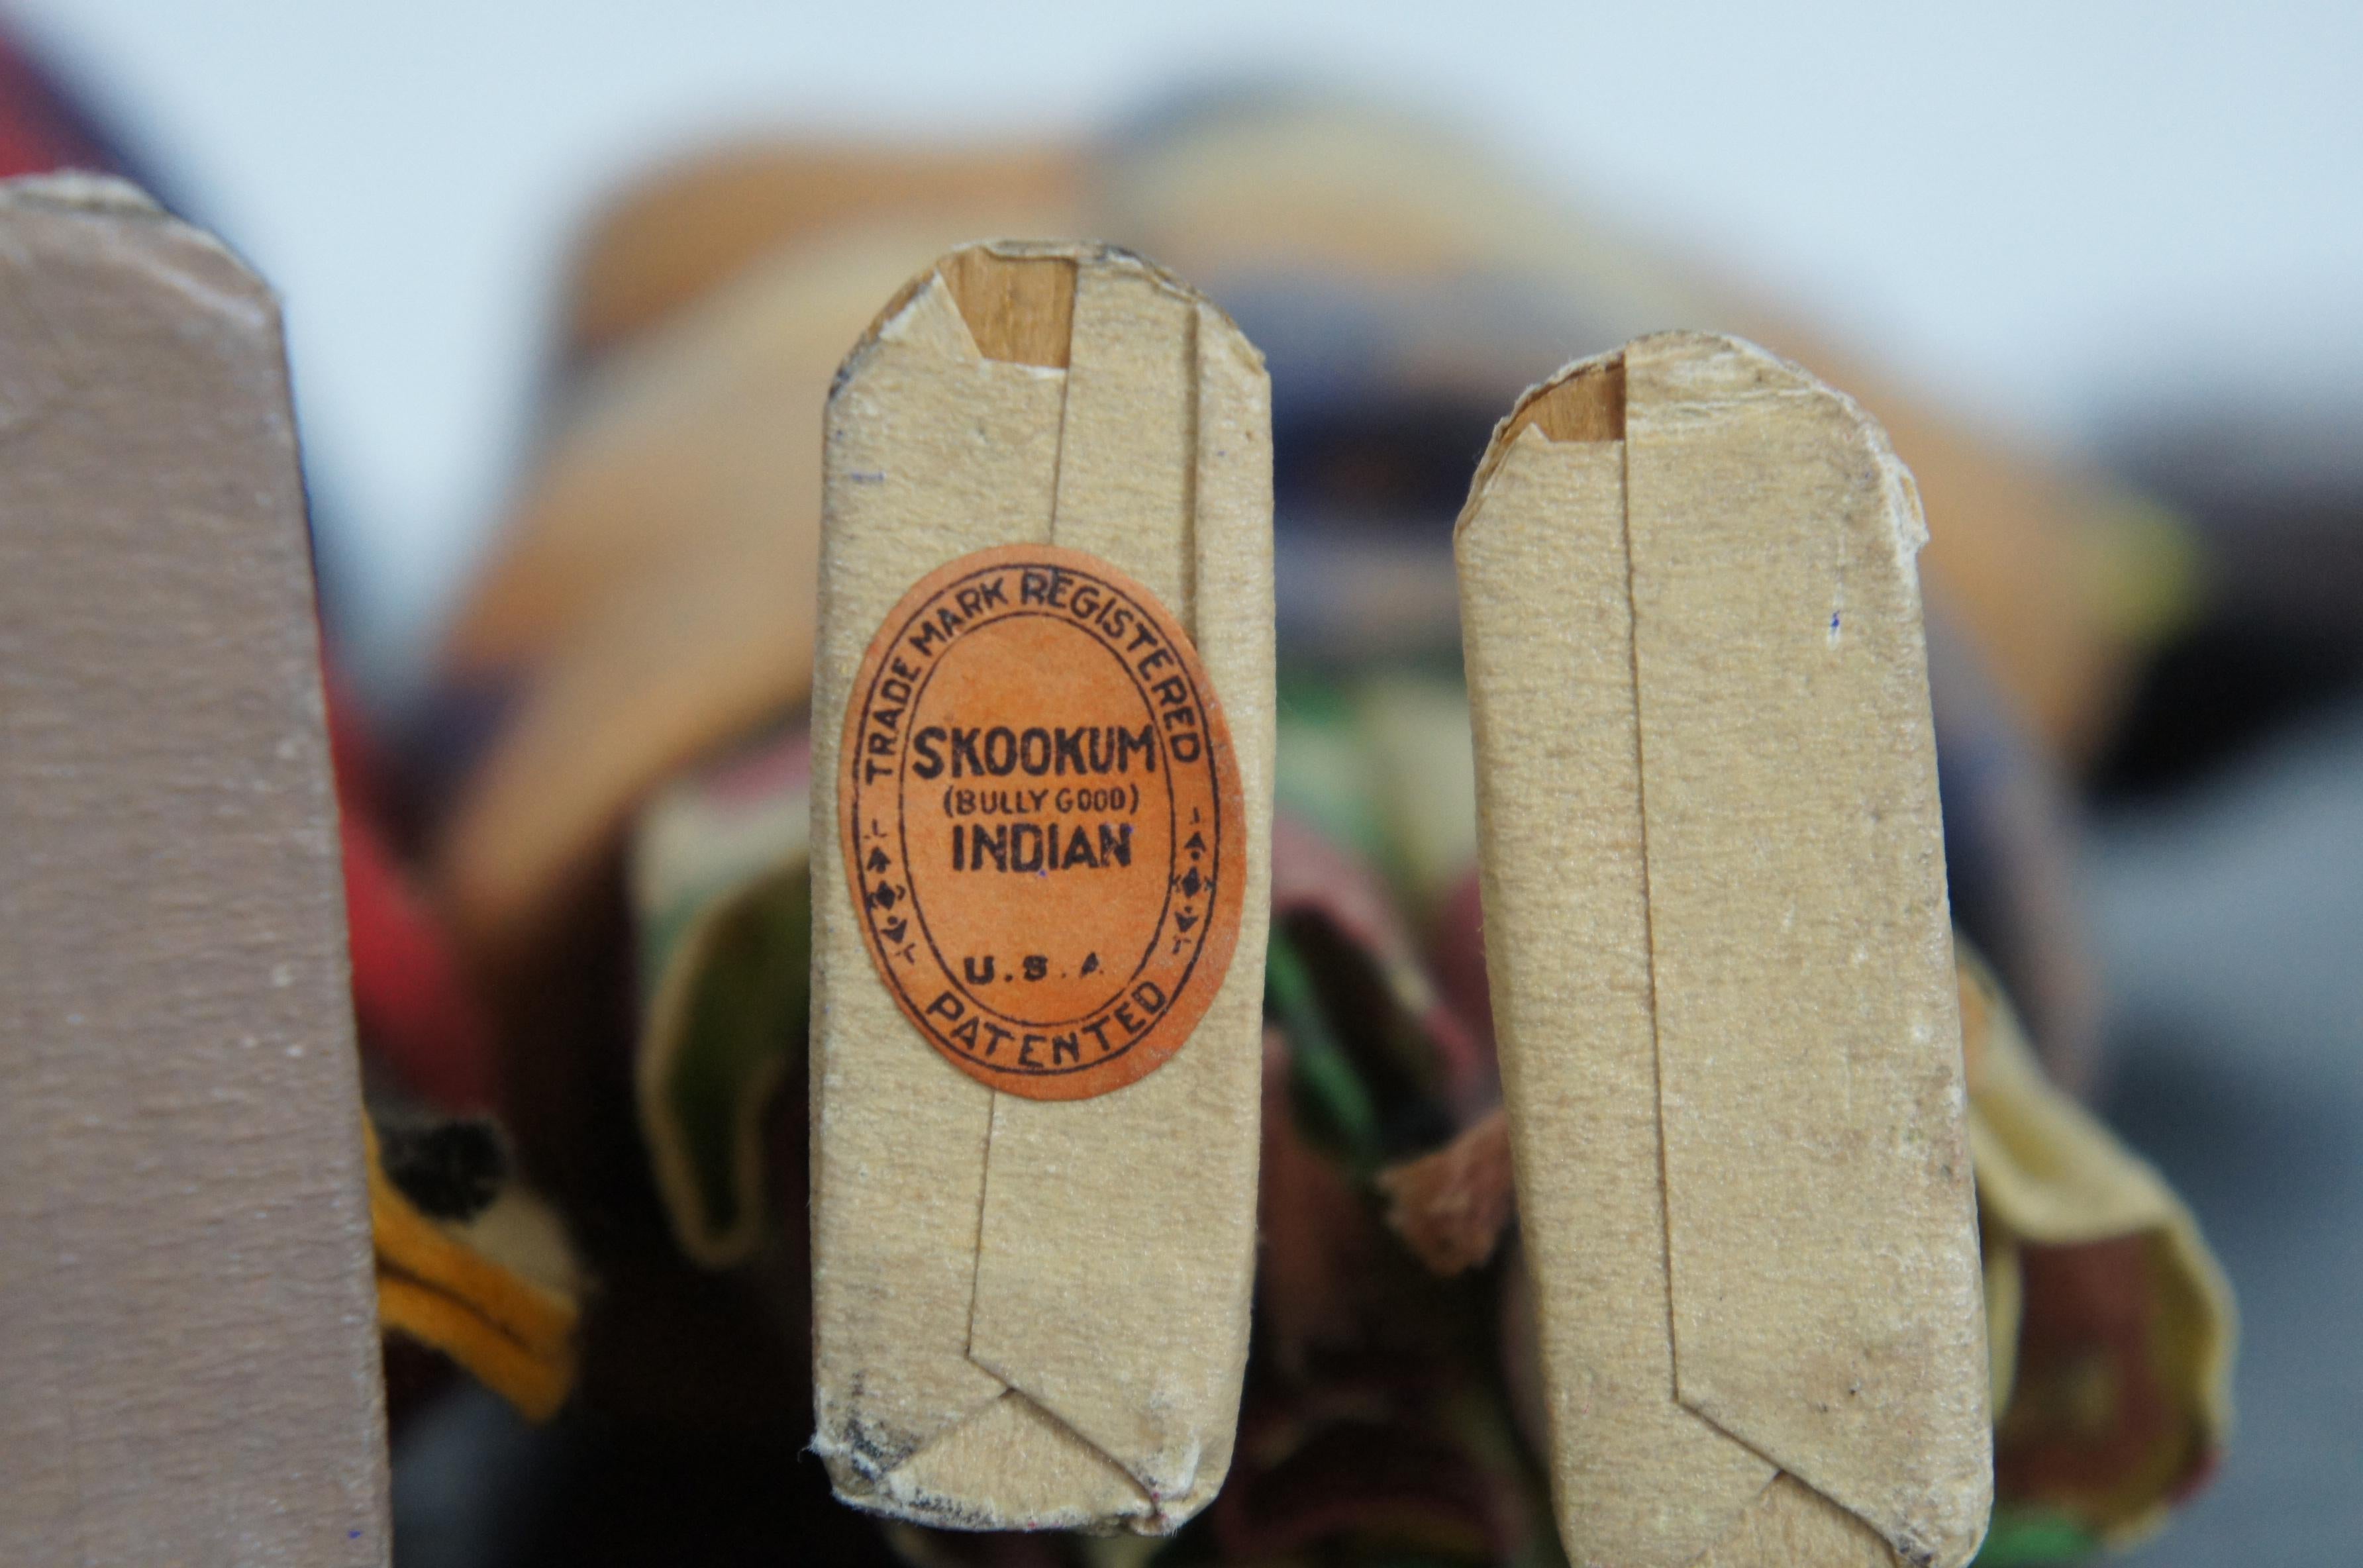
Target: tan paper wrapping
(1714,898)
(189,1363)
(1026,1313)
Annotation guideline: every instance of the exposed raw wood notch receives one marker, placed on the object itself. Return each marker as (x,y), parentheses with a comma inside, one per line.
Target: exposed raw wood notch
(1019,308)
(1589,405)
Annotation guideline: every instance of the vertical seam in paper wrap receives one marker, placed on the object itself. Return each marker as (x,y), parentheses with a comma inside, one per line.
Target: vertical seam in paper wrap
(992,1102)
(1649,912)
(1187,613)
(1177,568)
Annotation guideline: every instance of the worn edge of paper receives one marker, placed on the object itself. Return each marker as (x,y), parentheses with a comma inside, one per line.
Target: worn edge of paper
(1584,404)
(937,1480)
(325,1496)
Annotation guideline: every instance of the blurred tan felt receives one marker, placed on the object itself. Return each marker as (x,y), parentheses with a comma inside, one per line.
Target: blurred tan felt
(653,593)
(687,228)
(2051,1175)
(668,439)
(681,437)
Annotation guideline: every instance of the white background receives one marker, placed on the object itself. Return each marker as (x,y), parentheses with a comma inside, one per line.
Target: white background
(2059,215)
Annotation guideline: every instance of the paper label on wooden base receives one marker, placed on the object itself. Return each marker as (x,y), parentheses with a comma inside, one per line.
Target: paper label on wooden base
(1042,821)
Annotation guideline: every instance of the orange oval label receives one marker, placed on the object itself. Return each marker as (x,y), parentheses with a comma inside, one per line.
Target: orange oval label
(1044,830)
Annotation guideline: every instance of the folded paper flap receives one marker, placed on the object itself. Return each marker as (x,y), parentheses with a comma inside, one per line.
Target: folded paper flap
(1102,1246)
(1819,1208)
(2114,1273)
(1096,1296)
(1114,1249)
(719,1024)
(933,451)
(1790,1525)
(926,320)
(1636,1479)
(2047,1168)
(1015,1466)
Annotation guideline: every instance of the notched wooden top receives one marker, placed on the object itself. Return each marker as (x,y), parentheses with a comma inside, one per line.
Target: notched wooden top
(1017,299)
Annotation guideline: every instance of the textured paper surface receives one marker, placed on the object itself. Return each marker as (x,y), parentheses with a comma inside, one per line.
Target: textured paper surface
(1721,969)
(189,1364)
(1030,1313)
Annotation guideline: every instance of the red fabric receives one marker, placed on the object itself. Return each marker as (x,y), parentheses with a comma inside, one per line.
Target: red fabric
(417,1017)
(39,130)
